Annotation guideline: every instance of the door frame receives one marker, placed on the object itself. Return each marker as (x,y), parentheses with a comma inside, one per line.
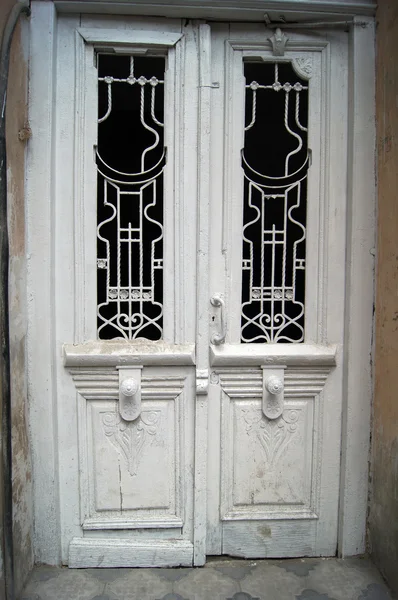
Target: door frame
(42,340)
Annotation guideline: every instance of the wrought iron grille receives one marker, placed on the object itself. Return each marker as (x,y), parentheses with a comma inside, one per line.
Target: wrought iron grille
(275,162)
(130,162)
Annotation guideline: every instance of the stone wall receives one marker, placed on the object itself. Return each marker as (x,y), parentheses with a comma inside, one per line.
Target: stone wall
(16,119)
(383,514)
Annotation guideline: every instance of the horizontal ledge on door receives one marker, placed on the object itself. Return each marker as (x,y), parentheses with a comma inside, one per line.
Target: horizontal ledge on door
(269,516)
(253,355)
(112,552)
(113,353)
(126,523)
(131,37)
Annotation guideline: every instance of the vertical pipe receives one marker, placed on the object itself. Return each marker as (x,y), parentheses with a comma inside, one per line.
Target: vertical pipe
(18,8)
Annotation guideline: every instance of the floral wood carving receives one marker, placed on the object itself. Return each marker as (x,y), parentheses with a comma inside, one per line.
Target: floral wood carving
(278,42)
(303,67)
(130,438)
(273,435)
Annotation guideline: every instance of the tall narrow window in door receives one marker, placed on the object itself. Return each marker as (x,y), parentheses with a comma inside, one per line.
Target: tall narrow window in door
(275,161)
(130,160)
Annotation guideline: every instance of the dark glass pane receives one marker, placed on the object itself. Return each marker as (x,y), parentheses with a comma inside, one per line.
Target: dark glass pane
(275,165)
(130,161)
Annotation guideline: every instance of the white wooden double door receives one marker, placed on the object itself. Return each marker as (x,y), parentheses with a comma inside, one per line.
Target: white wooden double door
(215,463)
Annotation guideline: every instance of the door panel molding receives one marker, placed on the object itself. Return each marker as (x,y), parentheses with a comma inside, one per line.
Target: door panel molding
(241,392)
(156,438)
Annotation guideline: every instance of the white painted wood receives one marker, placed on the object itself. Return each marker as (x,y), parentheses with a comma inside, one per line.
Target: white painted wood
(270,489)
(179,290)
(216,280)
(134,22)
(249,488)
(202,287)
(272,354)
(120,352)
(116,490)
(361,240)
(202,429)
(40,282)
(67,276)
(93,553)
(130,38)
(85,181)
(333,215)
(276,470)
(270,539)
(104,475)
(249,10)
(250,41)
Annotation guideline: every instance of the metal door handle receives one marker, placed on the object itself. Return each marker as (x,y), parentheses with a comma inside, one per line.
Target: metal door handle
(219,338)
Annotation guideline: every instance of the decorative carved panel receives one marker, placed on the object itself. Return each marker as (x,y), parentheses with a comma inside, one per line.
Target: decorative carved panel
(270,467)
(131,438)
(132,473)
(274,436)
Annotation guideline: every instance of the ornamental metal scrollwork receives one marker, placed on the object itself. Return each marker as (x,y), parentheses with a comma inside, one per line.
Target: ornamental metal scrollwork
(275,162)
(130,160)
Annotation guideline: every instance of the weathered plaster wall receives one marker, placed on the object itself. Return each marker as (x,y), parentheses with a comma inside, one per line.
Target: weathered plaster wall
(15,121)
(383,516)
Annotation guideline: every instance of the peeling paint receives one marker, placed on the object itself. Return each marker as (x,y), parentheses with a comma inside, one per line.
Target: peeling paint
(16,117)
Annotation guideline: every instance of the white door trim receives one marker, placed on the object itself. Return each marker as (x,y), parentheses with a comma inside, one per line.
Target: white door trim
(202,296)
(233,10)
(42,337)
(40,281)
(361,242)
